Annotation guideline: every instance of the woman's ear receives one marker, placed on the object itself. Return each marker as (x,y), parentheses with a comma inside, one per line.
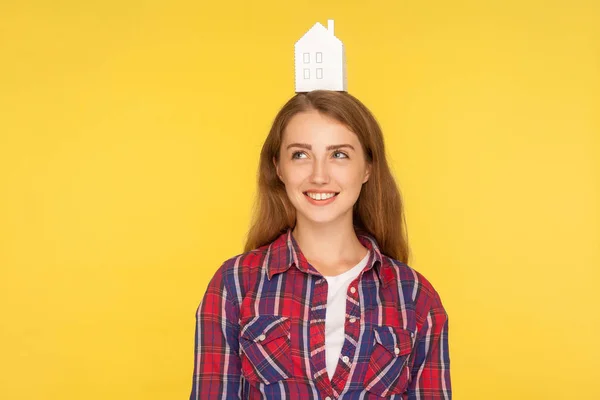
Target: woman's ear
(367,173)
(277,168)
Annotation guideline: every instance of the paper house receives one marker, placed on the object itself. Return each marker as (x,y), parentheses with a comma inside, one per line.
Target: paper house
(320,60)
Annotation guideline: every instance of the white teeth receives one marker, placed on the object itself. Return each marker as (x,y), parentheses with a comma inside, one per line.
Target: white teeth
(320,196)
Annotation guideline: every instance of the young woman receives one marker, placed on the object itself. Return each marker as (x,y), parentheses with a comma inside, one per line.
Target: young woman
(322,304)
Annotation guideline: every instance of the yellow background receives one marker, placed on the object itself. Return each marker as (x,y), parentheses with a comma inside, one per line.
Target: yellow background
(129,140)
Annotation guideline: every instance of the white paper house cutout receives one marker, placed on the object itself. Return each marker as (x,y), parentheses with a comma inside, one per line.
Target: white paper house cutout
(320,60)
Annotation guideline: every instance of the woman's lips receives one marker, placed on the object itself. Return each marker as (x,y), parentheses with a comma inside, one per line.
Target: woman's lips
(320,202)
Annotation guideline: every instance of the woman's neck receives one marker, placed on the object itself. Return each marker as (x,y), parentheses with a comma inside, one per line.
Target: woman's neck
(330,248)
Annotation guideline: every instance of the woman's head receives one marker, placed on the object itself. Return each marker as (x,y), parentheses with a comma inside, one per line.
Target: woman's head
(358,173)
(323,167)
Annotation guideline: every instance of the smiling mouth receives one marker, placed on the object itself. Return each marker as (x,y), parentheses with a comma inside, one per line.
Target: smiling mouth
(321,196)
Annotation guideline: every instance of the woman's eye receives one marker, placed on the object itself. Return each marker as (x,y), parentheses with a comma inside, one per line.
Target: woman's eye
(344,155)
(337,154)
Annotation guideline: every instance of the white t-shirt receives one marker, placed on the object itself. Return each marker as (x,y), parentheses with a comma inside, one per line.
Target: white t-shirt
(335,319)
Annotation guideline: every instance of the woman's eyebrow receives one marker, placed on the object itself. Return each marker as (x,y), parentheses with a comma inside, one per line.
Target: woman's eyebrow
(331,147)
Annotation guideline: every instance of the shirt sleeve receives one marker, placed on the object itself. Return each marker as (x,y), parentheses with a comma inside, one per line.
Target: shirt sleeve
(431,368)
(216,362)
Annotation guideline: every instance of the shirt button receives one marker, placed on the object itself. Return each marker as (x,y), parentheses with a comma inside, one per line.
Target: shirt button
(352,289)
(352,320)
(396,350)
(262,337)
(345,359)
(327,398)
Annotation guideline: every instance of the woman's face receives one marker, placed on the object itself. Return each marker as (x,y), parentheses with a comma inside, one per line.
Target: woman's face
(323,167)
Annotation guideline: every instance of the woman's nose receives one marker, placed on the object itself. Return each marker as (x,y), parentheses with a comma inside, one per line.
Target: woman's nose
(320,172)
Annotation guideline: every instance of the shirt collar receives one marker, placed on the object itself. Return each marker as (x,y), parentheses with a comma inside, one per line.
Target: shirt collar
(284,253)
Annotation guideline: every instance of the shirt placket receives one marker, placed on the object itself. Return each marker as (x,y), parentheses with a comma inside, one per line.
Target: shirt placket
(351,329)
(331,390)
(317,337)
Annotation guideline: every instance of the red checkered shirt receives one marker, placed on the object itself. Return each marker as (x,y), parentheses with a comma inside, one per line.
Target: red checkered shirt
(260,331)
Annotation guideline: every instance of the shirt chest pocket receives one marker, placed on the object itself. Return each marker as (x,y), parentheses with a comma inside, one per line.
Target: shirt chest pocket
(265,349)
(388,371)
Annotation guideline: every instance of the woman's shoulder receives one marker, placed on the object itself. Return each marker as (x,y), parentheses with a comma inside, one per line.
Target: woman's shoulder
(235,275)
(251,259)
(245,266)
(396,272)
(407,277)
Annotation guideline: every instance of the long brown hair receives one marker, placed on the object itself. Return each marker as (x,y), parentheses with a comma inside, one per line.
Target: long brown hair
(378,211)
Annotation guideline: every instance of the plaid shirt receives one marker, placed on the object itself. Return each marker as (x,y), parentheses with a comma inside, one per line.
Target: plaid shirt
(260,331)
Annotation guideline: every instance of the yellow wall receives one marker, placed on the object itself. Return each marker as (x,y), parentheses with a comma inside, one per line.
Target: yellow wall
(129,140)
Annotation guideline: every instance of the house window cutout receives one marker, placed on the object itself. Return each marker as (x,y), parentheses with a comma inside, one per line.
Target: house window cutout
(319,72)
(306,73)
(306,58)
(319,57)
